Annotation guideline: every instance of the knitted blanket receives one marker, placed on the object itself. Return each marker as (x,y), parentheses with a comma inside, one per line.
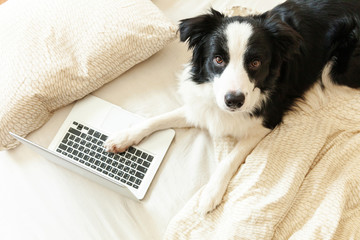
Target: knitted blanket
(302,181)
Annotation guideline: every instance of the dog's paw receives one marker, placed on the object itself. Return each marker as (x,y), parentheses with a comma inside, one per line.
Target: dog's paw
(210,198)
(122,140)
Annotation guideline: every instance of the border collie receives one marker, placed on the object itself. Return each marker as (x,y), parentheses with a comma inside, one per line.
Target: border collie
(247,72)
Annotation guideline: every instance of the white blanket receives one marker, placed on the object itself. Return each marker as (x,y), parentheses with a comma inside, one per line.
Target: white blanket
(300,182)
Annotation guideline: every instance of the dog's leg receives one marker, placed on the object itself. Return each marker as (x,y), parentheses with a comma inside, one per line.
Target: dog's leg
(133,135)
(214,190)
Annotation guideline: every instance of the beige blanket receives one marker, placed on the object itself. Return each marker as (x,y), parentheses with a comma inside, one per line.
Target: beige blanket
(301,182)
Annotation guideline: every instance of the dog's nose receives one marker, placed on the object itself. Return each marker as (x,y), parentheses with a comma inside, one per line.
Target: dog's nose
(234,99)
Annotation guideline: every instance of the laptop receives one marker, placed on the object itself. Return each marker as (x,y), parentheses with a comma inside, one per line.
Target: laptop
(78,146)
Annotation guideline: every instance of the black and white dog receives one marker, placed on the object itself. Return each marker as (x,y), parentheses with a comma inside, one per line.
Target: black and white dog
(247,72)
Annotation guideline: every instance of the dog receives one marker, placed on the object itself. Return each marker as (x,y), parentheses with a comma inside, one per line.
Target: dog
(247,72)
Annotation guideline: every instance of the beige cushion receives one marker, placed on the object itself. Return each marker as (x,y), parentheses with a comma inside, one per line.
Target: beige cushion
(54,52)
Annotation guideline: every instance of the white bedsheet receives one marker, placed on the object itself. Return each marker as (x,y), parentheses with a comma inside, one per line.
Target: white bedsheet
(40,200)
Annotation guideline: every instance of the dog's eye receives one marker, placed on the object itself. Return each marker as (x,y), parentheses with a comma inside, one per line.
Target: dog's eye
(255,64)
(219,61)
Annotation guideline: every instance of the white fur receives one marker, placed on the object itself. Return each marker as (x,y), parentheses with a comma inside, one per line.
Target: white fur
(235,78)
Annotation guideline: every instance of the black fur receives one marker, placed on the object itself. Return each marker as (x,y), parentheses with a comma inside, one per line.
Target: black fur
(294,40)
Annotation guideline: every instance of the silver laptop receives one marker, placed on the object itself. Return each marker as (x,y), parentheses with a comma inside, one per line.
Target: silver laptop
(78,146)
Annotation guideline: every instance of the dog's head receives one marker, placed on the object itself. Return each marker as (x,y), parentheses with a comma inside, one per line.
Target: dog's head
(240,56)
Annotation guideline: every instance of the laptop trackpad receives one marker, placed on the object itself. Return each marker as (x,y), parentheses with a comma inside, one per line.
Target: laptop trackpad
(118,118)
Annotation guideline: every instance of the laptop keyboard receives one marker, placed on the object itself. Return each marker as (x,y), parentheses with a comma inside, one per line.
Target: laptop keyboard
(85,145)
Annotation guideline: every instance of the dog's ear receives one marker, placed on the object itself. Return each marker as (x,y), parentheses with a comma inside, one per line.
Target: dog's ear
(193,30)
(286,40)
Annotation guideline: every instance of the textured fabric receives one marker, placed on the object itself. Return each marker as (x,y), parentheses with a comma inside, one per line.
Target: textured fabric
(300,182)
(54,52)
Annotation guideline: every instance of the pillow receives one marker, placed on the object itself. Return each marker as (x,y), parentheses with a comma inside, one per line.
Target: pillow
(55,52)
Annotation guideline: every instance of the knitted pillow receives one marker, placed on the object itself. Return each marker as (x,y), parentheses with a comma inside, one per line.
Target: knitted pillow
(55,52)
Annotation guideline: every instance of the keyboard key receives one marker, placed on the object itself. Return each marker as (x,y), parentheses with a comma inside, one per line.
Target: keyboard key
(74,131)
(117,157)
(129,183)
(79,127)
(144,155)
(64,141)
(97,134)
(80,155)
(97,162)
(139,175)
(123,180)
(93,166)
(146,164)
(132,171)
(62,146)
(139,161)
(75,152)
(87,164)
(72,137)
(138,181)
(76,146)
(91,132)
(58,150)
(150,158)
(126,169)
(103,165)
(69,150)
(105,172)
(75,123)
(120,173)
(115,164)
(92,160)
(138,153)
(126,176)
(132,179)
(133,165)
(109,168)
(103,137)
(135,186)
(70,143)
(141,169)
(109,161)
(114,170)
(117,178)
(132,150)
(134,158)
(111,175)
(83,135)
(88,138)
(86,157)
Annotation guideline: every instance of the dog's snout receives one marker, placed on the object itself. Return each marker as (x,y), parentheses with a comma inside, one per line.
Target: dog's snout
(234,99)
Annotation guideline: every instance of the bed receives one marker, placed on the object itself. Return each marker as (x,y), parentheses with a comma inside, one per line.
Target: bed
(40,200)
